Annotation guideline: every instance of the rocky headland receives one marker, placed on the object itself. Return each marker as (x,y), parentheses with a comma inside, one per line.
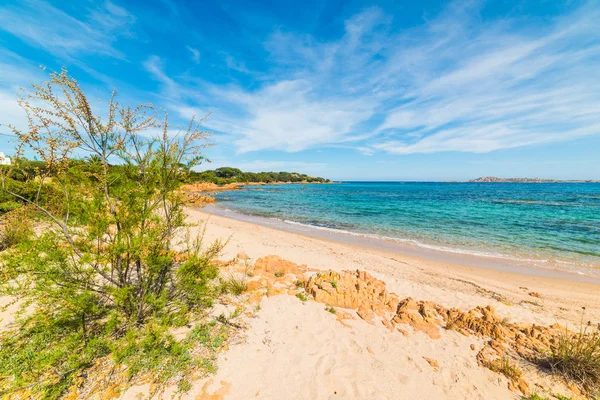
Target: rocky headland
(495,179)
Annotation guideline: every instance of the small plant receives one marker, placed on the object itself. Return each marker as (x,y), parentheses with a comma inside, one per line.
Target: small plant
(506,368)
(330,309)
(234,285)
(278,274)
(248,270)
(236,313)
(534,396)
(302,296)
(561,397)
(577,357)
(333,284)
(299,284)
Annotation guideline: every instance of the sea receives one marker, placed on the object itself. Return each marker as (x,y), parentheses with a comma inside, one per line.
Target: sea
(553,226)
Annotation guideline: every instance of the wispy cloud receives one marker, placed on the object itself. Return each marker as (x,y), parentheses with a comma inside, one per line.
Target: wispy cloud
(195,54)
(15,72)
(45,26)
(451,84)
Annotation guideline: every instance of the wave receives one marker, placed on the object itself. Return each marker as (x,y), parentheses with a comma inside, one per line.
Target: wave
(542,261)
(544,203)
(549,263)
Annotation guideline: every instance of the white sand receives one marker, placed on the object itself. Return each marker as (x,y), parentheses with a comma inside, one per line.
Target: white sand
(296,350)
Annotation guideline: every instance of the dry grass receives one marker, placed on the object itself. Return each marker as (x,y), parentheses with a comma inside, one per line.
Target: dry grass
(506,368)
(576,357)
(234,284)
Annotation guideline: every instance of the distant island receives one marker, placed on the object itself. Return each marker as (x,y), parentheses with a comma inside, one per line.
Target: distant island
(495,179)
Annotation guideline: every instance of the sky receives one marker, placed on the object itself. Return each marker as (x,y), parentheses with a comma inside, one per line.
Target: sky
(348,90)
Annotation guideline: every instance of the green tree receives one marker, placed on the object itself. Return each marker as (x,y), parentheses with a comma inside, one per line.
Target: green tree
(227,172)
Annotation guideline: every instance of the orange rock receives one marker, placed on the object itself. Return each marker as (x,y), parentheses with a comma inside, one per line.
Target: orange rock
(422,316)
(433,363)
(352,289)
(522,386)
(387,324)
(277,266)
(402,331)
(366,314)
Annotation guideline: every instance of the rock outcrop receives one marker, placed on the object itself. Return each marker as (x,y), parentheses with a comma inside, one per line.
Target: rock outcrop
(356,290)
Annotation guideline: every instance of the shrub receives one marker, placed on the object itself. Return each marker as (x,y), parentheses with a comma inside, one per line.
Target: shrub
(104,276)
(15,228)
(8,206)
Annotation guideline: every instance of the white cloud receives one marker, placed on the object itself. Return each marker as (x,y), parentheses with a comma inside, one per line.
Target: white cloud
(452,84)
(154,66)
(45,26)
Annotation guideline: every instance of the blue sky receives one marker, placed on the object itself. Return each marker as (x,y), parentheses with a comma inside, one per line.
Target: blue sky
(351,90)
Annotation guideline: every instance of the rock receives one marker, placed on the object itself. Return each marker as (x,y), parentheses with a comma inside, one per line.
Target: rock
(342,315)
(366,314)
(535,294)
(487,355)
(422,316)
(198,199)
(522,386)
(433,363)
(277,266)
(242,256)
(256,282)
(353,289)
(472,346)
(402,331)
(387,324)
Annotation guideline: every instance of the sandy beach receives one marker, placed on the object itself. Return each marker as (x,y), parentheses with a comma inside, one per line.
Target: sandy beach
(298,350)
(451,284)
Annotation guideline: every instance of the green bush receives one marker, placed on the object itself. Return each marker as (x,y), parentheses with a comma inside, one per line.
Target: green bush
(9,205)
(15,228)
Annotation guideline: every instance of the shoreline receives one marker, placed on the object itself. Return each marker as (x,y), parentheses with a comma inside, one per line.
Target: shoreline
(450,283)
(407,248)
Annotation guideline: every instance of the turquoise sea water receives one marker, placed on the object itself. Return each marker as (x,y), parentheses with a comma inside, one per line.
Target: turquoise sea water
(553,224)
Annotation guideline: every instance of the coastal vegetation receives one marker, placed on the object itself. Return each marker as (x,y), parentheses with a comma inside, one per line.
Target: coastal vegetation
(226,175)
(576,356)
(96,249)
